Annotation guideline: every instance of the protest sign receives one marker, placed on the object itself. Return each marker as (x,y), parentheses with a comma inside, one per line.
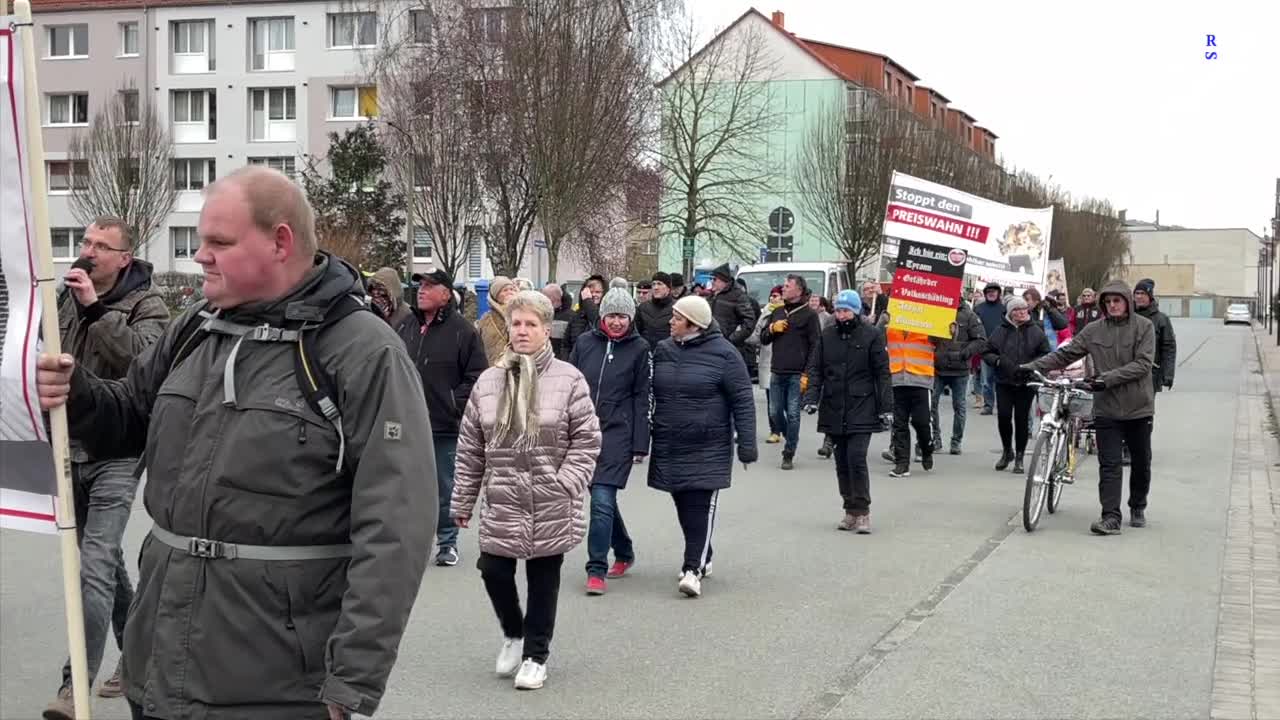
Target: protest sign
(926,288)
(1005,244)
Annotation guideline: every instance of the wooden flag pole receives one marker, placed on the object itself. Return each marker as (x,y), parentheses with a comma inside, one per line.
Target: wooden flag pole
(53,345)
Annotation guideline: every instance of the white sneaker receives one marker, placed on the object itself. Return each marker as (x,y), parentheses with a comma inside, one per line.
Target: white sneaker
(509,657)
(531,676)
(690,584)
(706,572)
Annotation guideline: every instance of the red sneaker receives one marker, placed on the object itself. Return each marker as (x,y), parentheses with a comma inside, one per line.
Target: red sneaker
(620,568)
(595,586)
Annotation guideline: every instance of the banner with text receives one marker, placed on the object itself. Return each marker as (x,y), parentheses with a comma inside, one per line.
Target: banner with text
(1005,244)
(27,483)
(927,284)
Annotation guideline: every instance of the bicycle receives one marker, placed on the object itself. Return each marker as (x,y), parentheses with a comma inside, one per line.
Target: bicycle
(1053,462)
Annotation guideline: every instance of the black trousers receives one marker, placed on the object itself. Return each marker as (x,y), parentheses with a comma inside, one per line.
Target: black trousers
(1013,416)
(1112,435)
(852,476)
(911,405)
(696,510)
(539,623)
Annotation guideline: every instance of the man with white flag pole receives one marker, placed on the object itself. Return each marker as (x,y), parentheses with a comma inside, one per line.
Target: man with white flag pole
(29,237)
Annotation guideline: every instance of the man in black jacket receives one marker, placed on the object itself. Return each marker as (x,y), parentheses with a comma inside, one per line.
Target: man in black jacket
(450,357)
(731,308)
(1166,360)
(951,368)
(653,317)
(793,331)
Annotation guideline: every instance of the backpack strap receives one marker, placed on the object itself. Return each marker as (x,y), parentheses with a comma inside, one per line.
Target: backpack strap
(317,386)
(191,334)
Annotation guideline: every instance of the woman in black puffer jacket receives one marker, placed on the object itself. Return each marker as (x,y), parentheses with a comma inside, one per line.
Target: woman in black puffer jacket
(1017,341)
(702,399)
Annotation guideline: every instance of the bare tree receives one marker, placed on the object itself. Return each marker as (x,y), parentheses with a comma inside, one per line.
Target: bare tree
(717,115)
(581,81)
(129,155)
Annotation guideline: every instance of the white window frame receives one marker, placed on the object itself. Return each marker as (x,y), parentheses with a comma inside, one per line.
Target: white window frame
(75,52)
(190,104)
(190,242)
(71,108)
(137,105)
(419,231)
(206,168)
(286,164)
(355,101)
(179,26)
(124,39)
(359,20)
(288,40)
(267,95)
(70,174)
(72,237)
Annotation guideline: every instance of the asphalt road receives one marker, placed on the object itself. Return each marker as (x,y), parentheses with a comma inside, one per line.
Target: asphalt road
(948,610)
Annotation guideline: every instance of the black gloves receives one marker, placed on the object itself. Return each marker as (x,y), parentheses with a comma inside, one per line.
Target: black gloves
(1095,384)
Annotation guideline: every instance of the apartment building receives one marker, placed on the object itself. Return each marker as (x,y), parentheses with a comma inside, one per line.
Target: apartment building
(237,83)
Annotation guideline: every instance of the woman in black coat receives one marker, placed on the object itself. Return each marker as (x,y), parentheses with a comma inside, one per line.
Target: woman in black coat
(702,399)
(1017,341)
(617,364)
(847,376)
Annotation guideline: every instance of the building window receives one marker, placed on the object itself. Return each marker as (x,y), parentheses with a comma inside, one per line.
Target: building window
(129,39)
(888,82)
(273,114)
(475,251)
(421,244)
(69,41)
(194,116)
(66,242)
(192,47)
(69,109)
(129,101)
(185,242)
(67,175)
(272,44)
(353,103)
(193,173)
(348,30)
(188,38)
(284,164)
(420,26)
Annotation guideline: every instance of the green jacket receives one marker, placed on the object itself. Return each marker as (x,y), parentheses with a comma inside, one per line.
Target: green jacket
(266,640)
(105,337)
(1122,350)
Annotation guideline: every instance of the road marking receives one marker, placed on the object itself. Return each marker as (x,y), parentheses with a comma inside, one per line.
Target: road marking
(853,675)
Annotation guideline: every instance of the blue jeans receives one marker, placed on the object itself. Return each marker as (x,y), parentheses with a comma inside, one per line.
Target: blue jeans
(103,494)
(606,531)
(957,383)
(446,531)
(784,408)
(988,386)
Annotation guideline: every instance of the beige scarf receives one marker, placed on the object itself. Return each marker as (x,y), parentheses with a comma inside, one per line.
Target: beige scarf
(517,422)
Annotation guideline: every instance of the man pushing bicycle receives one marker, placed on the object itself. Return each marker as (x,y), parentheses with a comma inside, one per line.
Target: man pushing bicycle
(1121,350)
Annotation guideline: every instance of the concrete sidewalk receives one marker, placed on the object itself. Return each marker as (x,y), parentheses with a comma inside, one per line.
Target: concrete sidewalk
(1246,679)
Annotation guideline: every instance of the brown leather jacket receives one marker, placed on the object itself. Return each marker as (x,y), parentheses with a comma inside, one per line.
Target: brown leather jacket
(533,501)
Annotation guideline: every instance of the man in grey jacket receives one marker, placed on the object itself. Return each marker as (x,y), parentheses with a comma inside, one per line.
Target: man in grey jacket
(1121,347)
(108,315)
(951,365)
(288,544)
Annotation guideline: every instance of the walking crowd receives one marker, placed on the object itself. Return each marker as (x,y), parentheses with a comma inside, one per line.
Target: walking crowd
(286,431)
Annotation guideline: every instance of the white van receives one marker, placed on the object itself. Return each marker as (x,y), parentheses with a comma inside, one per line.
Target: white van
(825,278)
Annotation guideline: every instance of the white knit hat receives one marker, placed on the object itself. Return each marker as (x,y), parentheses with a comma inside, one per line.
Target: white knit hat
(695,310)
(618,302)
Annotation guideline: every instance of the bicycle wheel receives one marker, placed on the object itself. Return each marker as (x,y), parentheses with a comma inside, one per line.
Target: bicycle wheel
(1037,481)
(1061,466)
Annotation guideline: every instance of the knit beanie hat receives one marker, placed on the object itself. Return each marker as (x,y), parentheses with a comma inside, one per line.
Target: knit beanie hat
(723,272)
(1011,303)
(496,286)
(695,310)
(849,300)
(662,277)
(1146,285)
(618,302)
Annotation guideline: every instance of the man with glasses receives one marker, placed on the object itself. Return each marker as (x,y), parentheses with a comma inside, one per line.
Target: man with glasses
(1122,350)
(108,314)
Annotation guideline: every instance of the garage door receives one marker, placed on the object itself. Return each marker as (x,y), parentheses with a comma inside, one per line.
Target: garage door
(1201,307)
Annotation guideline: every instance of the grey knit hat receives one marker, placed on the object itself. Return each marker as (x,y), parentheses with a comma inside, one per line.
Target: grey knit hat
(1011,303)
(618,302)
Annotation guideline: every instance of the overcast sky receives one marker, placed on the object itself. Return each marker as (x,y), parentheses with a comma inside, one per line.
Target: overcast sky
(1112,98)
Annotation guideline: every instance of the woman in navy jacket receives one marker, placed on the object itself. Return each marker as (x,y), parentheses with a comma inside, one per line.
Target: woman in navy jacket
(617,364)
(703,406)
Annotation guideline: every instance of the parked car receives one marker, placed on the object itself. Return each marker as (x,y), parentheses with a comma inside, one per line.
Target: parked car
(1237,313)
(824,278)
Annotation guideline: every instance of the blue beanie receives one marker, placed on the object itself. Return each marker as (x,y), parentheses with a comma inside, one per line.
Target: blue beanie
(849,300)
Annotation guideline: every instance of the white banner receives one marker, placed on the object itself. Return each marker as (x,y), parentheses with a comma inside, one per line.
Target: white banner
(27,484)
(1005,244)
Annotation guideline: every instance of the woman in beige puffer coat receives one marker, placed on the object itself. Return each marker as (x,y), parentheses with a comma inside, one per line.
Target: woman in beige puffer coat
(528,444)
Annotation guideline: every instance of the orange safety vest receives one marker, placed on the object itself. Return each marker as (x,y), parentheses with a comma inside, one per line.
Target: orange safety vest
(912,352)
